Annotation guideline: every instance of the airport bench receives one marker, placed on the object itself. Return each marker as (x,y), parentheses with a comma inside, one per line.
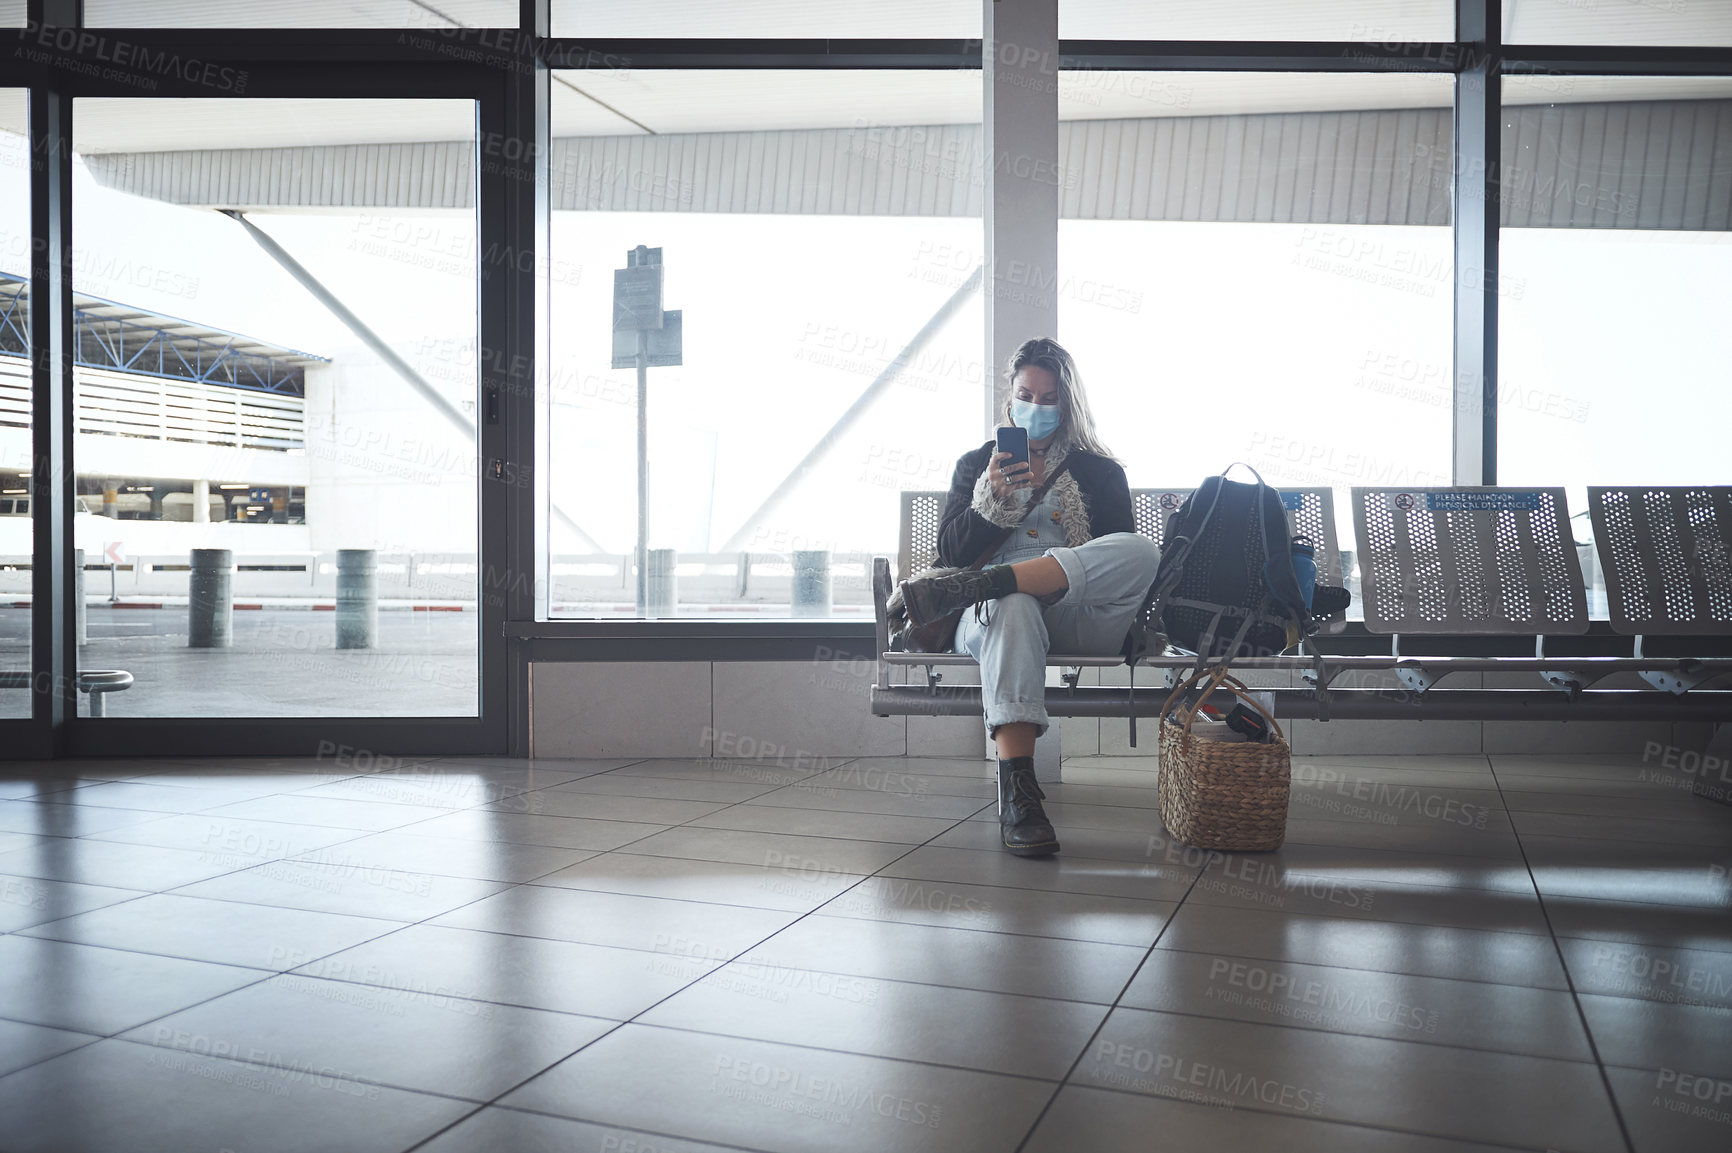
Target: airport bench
(95,683)
(1443,567)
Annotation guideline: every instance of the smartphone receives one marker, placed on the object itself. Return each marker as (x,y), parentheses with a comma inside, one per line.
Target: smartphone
(1014,441)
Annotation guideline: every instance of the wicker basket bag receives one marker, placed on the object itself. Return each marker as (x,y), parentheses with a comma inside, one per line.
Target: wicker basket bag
(1219,794)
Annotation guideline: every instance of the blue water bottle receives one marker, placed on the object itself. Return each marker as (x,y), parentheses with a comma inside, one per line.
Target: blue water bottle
(1305,567)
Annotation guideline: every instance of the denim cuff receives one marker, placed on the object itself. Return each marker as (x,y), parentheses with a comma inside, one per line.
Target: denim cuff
(1016,712)
(1076,576)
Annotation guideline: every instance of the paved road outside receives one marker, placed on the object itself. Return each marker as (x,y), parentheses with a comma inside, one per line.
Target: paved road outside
(282,663)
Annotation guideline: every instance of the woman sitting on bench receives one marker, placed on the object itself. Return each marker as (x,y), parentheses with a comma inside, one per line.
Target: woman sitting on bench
(1070,576)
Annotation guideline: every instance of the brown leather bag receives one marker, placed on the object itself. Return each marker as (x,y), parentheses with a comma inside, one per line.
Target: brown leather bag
(939,636)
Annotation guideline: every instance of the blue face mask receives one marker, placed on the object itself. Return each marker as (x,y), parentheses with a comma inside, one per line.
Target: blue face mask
(1041,420)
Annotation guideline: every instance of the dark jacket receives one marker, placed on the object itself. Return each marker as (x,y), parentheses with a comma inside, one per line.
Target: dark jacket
(964,532)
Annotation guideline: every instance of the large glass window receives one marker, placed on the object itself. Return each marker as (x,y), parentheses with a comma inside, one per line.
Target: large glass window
(275,424)
(1371,20)
(16,450)
(816,233)
(767,19)
(1613,341)
(1617,22)
(444,14)
(1259,269)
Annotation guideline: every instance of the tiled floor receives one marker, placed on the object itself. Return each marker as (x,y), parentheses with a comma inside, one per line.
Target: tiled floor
(1450,954)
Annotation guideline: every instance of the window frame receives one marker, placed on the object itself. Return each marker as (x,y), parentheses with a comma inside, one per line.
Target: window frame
(507,72)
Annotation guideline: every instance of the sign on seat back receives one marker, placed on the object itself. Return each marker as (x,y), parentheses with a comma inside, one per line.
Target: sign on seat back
(1468,560)
(1665,556)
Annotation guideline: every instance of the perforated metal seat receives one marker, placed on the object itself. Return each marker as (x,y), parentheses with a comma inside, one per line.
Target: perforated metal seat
(1487,561)
(1666,558)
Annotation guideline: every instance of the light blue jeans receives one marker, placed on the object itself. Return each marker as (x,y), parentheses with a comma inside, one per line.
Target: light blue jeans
(1109,577)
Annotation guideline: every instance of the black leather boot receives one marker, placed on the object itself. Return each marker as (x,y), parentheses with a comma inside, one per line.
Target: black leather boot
(1021,821)
(930,598)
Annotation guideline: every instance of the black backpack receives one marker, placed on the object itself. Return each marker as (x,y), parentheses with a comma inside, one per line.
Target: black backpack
(1225,587)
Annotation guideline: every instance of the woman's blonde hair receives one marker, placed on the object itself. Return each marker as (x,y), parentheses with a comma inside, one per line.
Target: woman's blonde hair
(1076,428)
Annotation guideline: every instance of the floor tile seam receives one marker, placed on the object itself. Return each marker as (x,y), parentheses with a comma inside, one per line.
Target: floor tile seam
(1722,829)
(1575,999)
(241,900)
(880,874)
(5,876)
(849,1052)
(1686,803)
(1541,933)
(499,797)
(717,762)
(1037,936)
(225,964)
(1722,1077)
(20,931)
(262,976)
(1692,948)
(430,995)
(295,859)
(758,802)
(928,1063)
(1677,906)
(767,937)
(1322,1120)
(1480,1050)
(970,929)
(1722,1009)
(152,953)
(1311,873)
(659,897)
(601,1123)
(1359,969)
(1299,839)
(833,836)
(740,959)
(89,1039)
(307,1069)
(272,976)
(1019,888)
(1034,1126)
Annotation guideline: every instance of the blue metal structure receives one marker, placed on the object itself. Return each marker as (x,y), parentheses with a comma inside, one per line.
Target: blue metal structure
(115,336)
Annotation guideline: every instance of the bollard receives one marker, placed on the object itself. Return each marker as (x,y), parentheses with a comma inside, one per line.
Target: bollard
(210,598)
(811,588)
(357,598)
(78,595)
(661,589)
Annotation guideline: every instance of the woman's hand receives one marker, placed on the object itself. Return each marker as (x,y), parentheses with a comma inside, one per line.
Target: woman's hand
(1006,481)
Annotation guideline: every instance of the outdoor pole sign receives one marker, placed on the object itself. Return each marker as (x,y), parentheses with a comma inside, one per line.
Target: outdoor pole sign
(645,336)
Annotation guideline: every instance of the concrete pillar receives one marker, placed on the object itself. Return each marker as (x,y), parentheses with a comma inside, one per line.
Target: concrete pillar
(1020,58)
(357,598)
(110,498)
(78,595)
(661,595)
(811,583)
(210,599)
(201,501)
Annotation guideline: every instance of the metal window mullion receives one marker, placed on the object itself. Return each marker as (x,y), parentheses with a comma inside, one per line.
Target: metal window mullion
(1475,202)
(54,692)
(521,546)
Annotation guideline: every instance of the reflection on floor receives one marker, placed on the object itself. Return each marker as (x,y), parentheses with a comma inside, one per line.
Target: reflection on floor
(1450,954)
